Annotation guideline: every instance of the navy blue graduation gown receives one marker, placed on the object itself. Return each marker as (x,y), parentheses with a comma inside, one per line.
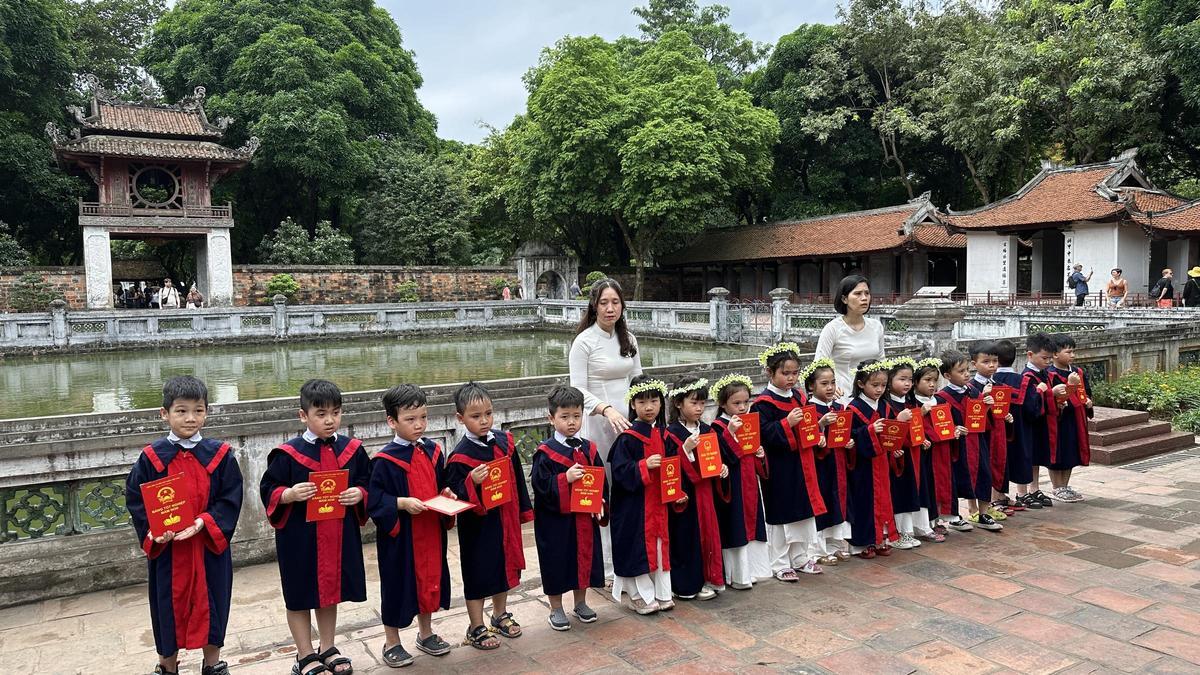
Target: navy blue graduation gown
(191,581)
(1025,406)
(489,540)
(320,563)
(741,518)
(872,522)
(790,491)
(1073,448)
(568,544)
(832,476)
(1044,427)
(972,468)
(927,487)
(695,535)
(413,575)
(904,474)
(639,518)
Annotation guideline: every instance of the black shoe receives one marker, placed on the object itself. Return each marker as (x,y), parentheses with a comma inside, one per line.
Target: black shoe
(1029,502)
(397,657)
(218,668)
(1041,497)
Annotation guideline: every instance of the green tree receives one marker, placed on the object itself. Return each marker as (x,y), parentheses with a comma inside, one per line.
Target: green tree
(291,245)
(731,54)
(105,38)
(31,293)
(1171,30)
(417,212)
(12,254)
(318,81)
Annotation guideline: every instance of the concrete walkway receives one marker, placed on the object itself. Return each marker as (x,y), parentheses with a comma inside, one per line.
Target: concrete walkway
(1111,584)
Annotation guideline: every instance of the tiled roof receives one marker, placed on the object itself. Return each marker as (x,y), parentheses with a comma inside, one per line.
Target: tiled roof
(1182,218)
(156,148)
(854,233)
(149,120)
(1150,200)
(1053,196)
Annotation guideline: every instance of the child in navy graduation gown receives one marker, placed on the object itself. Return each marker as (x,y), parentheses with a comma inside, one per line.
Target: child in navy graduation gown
(489,539)
(1017,465)
(568,543)
(744,552)
(641,539)
(936,488)
(993,442)
(1075,409)
(414,579)
(196,559)
(791,493)
(912,518)
(1039,424)
(833,529)
(972,470)
(873,526)
(321,562)
(696,566)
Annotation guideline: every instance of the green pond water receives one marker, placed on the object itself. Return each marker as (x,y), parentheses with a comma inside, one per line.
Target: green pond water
(128,380)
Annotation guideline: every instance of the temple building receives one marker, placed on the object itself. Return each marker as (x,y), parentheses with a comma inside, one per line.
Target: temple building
(154,167)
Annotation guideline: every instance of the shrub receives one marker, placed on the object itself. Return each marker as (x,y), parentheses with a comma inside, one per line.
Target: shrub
(1171,395)
(282,284)
(12,254)
(290,244)
(31,293)
(406,291)
(497,284)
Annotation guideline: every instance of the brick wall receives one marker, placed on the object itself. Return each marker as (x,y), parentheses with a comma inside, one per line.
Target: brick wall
(67,282)
(367,283)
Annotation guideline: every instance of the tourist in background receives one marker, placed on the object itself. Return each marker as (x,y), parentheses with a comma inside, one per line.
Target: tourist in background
(1116,289)
(852,337)
(1163,290)
(1079,283)
(506,294)
(194,299)
(169,296)
(603,360)
(1191,288)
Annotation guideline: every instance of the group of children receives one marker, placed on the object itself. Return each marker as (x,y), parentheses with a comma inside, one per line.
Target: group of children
(814,491)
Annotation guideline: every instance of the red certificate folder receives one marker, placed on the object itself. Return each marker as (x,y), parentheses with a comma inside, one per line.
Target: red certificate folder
(839,431)
(916,428)
(446,506)
(749,437)
(1077,390)
(809,431)
(893,435)
(497,487)
(587,493)
(1002,399)
(974,415)
(943,422)
(169,505)
(708,455)
(668,479)
(330,485)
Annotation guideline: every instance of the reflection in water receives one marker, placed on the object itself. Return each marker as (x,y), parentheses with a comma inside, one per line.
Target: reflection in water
(126,380)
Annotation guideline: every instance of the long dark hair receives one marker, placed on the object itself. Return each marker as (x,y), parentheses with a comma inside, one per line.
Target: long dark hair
(628,350)
(845,288)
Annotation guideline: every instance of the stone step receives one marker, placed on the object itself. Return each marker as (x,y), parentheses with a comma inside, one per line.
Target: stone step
(1141,448)
(1111,418)
(1129,432)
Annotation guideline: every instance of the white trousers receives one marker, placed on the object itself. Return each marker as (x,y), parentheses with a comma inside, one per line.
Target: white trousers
(789,543)
(649,587)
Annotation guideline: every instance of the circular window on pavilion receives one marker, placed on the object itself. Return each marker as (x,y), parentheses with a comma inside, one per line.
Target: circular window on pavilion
(155,187)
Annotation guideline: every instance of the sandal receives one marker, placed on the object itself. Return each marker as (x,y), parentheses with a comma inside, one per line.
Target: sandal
(218,668)
(332,658)
(159,670)
(504,625)
(787,574)
(433,645)
(480,637)
(830,560)
(396,656)
(298,668)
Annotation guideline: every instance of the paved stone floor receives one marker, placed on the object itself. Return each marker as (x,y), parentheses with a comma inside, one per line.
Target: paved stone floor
(1111,584)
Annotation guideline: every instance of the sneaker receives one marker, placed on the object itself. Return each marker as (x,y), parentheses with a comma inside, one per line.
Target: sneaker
(906,542)
(741,587)
(558,619)
(810,567)
(1074,494)
(706,593)
(685,597)
(984,522)
(959,525)
(642,607)
(997,514)
(1041,497)
(1029,501)
(584,613)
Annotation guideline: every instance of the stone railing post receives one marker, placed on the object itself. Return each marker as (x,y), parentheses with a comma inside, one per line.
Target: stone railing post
(931,320)
(718,313)
(58,322)
(281,322)
(779,302)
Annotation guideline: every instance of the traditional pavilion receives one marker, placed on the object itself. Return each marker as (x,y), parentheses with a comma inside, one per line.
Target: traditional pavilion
(901,248)
(154,167)
(1101,215)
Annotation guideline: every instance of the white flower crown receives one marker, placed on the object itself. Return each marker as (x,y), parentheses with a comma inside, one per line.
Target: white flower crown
(902,361)
(817,364)
(780,348)
(932,361)
(644,387)
(697,385)
(877,367)
(715,391)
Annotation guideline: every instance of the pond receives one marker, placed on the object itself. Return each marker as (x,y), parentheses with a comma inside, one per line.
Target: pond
(128,380)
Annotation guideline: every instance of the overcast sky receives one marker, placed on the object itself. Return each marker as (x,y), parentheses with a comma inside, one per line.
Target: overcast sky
(472,54)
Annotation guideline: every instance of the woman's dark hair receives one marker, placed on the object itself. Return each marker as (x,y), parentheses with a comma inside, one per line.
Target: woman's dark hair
(860,378)
(729,390)
(812,377)
(628,349)
(700,394)
(845,288)
(661,420)
(774,361)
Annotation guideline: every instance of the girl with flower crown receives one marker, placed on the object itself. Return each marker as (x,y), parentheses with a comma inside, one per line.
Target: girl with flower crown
(872,525)
(640,536)
(743,528)
(696,569)
(791,494)
(912,519)
(830,546)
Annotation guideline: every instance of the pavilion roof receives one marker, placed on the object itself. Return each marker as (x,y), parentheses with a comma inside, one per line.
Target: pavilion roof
(153,148)
(916,224)
(1184,217)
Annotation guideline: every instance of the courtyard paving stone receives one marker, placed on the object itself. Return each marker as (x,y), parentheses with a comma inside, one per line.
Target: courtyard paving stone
(1110,584)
